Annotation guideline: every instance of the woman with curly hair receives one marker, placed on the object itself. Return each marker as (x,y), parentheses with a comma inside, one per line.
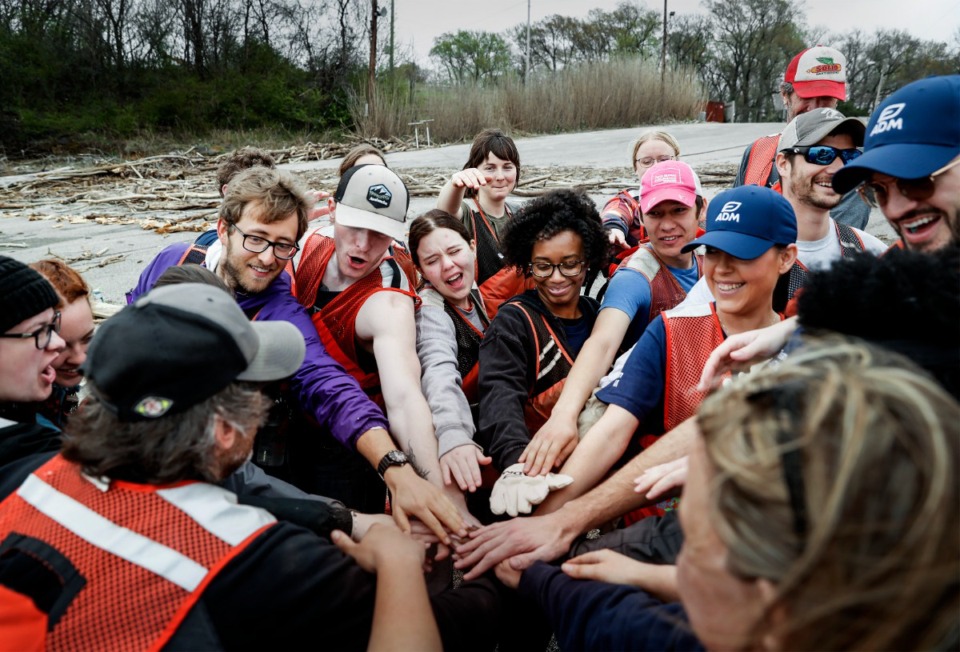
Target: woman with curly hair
(555,241)
(486,180)
(750,243)
(655,277)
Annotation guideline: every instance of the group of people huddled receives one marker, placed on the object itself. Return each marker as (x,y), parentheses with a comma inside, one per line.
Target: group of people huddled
(304,422)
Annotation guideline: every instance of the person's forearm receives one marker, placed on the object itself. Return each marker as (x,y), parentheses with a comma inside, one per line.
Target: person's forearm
(413,430)
(594,456)
(374,444)
(616,496)
(592,363)
(450,198)
(403,618)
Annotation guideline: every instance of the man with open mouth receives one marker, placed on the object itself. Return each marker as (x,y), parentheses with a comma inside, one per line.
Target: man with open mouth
(910,168)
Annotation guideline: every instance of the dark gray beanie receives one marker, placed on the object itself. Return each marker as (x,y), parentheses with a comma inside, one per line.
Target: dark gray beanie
(23,293)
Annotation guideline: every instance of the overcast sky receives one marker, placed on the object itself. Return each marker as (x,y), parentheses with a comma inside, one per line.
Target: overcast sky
(419,22)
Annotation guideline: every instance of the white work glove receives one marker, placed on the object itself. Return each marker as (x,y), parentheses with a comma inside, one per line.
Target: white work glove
(516,493)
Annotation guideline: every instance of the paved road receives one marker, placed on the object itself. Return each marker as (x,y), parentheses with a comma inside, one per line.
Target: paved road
(701,143)
(30,240)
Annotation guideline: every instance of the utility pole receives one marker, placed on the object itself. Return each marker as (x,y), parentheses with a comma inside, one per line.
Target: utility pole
(392,14)
(372,71)
(663,51)
(526,65)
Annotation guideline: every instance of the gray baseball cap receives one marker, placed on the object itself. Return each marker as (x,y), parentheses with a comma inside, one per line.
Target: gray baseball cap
(179,345)
(373,197)
(813,126)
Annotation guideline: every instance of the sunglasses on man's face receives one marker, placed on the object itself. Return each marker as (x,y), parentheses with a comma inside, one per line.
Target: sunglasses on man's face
(876,195)
(825,154)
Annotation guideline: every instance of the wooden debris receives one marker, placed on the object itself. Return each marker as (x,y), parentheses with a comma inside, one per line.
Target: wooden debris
(175,192)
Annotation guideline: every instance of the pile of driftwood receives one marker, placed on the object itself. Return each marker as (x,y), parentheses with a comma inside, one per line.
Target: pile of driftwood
(177,191)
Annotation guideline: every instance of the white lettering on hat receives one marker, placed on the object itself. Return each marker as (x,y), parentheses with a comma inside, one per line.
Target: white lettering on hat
(665,177)
(729,212)
(888,119)
(832,114)
(379,196)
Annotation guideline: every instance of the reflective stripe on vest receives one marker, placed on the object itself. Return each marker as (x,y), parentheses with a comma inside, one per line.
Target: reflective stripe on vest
(760,161)
(144,554)
(553,364)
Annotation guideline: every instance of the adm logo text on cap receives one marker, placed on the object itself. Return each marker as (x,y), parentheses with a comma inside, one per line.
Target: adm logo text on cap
(888,119)
(729,212)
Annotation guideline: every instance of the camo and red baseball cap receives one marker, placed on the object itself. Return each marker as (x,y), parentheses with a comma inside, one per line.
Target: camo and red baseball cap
(819,71)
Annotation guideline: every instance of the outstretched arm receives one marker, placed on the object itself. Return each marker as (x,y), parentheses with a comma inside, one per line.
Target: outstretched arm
(387,320)
(402,616)
(557,439)
(601,447)
(525,540)
(451,195)
(745,349)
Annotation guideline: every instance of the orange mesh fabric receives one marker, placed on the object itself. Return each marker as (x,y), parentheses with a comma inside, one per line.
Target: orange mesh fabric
(336,322)
(122,606)
(692,335)
(760,160)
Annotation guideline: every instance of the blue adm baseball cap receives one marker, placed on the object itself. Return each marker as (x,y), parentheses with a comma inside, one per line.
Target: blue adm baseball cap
(911,135)
(746,221)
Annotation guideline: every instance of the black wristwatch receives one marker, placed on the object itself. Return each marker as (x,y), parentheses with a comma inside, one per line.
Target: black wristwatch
(393,458)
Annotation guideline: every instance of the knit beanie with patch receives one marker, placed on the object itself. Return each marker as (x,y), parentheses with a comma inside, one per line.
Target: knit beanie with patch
(23,293)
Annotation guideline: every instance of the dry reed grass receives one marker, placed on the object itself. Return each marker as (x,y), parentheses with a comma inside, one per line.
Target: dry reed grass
(618,93)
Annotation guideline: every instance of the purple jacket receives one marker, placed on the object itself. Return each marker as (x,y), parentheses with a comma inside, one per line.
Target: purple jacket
(325,391)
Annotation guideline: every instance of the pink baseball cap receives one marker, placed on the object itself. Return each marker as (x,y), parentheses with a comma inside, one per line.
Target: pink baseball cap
(669,180)
(818,72)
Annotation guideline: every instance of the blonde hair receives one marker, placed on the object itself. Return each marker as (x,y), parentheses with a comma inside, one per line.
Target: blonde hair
(836,479)
(654,135)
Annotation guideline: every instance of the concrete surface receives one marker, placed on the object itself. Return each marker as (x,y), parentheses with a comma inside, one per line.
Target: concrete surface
(127,248)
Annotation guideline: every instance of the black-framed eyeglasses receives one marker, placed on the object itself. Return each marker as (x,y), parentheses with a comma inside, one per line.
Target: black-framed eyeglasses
(42,335)
(825,154)
(257,245)
(875,194)
(568,268)
(648,161)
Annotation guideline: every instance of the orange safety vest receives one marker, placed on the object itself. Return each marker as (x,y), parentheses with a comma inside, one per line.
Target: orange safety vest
(132,559)
(666,292)
(551,367)
(336,322)
(692,333)
(497,282)
(760,161)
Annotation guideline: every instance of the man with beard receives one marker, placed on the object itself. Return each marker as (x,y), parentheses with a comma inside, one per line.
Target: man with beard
(813,147)
(816,78)
(263,215)
(123,540)
(910,168)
